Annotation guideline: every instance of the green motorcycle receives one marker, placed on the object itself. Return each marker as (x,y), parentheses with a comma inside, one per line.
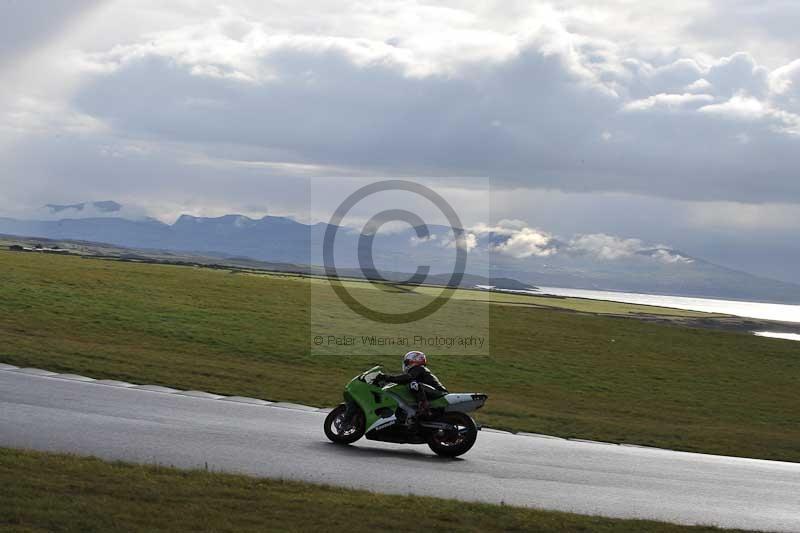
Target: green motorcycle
(387,412)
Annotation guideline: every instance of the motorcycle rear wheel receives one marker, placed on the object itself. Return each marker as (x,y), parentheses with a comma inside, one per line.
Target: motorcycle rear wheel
(342,431)
(450,443)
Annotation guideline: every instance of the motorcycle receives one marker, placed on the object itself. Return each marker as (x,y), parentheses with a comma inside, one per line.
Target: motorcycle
(387,412)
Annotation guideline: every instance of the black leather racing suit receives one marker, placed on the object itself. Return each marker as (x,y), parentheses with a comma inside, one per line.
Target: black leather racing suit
(416,377)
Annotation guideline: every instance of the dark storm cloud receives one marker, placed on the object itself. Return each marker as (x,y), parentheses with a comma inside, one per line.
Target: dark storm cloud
(326,109)
(544,116)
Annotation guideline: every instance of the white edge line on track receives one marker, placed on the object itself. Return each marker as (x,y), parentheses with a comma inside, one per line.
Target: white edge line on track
(159,389)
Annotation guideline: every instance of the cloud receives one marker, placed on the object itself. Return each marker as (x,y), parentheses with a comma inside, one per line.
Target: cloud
(416,241)
(611,248)
(669,102)
(516,239)
(785,86)
(764,28)
(448,241)
(527,242)
(699,85)
(738,73)
(543,108)
(739,106)
(470,241)
(743,108)
(604,246)
(670,257)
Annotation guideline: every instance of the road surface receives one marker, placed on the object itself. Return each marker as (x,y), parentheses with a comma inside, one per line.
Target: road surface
(113,422)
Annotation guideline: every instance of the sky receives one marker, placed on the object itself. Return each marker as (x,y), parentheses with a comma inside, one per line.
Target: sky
(670,123)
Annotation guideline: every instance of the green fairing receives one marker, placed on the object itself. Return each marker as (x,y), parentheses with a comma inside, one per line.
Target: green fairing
(363,394)
(371,398)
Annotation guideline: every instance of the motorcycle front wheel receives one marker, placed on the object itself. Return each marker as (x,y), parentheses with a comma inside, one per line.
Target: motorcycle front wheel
(456,442)
(342,431)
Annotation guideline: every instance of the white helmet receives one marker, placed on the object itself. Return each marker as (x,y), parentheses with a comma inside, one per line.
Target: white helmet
(413,359)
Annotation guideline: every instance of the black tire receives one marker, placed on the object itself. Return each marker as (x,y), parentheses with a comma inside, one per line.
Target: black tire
(449,444)
(348,435)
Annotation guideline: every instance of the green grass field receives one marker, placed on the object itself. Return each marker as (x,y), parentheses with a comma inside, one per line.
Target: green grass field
(48,492)
(564,372)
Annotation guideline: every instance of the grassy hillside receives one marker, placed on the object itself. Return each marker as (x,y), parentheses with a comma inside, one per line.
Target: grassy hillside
(47,492)
(558,372)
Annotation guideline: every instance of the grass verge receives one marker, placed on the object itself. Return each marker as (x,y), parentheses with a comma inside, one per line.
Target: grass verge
(50,492)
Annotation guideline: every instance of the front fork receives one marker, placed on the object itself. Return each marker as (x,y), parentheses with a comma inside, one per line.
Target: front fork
(350,412)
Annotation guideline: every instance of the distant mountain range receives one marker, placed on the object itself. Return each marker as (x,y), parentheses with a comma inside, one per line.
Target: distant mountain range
(282,240)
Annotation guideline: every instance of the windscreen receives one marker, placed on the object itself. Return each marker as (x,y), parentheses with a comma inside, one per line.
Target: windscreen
(370,375)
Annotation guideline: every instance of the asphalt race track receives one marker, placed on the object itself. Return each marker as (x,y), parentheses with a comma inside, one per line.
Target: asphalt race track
(133,424)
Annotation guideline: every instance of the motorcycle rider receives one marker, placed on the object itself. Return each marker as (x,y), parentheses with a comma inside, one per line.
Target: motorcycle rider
(417,376)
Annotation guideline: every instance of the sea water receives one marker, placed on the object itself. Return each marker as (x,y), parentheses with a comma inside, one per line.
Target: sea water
(759,310)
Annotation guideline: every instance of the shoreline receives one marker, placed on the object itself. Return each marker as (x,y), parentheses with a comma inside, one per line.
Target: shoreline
(715,320)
